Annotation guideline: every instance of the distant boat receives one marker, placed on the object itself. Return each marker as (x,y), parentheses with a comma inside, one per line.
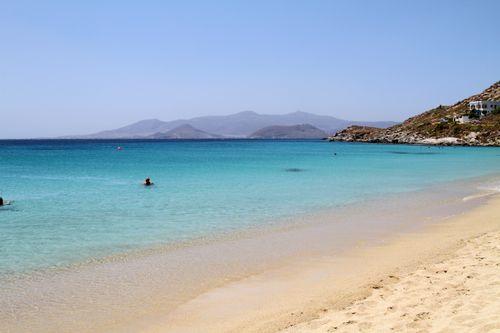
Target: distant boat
(119,148)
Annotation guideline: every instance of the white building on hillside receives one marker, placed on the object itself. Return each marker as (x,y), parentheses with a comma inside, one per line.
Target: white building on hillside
(463,119)
(484,107)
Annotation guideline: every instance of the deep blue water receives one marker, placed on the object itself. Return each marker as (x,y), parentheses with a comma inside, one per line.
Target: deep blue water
(76,200)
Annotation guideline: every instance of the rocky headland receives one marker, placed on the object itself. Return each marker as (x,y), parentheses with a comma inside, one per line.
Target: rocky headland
(442,125)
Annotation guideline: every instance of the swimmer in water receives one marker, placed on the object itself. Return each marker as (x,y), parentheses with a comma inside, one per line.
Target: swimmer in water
(147,182)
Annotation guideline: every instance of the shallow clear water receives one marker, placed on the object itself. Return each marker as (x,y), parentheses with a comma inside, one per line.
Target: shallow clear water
(78,200)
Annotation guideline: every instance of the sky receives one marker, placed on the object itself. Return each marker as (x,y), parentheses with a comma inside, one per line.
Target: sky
(76,67)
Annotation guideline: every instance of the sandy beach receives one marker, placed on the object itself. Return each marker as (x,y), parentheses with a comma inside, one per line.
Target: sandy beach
(443,278)
(458,294)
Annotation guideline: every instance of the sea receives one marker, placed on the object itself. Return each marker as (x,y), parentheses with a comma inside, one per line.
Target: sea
(78,201)
(83,235)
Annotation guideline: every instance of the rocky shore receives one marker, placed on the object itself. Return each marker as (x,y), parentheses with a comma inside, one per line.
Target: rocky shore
(396,136)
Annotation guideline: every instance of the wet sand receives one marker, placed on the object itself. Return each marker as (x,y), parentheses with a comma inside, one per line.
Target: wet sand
(444,277)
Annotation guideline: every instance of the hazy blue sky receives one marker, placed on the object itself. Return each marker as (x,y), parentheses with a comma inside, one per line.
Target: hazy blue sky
(69,67)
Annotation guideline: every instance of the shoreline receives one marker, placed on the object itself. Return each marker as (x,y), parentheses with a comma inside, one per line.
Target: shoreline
(144,290)
(304,291)
(431,142)
(278,225)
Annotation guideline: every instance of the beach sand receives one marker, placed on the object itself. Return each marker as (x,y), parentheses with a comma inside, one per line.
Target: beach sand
(458,294)
(443,278)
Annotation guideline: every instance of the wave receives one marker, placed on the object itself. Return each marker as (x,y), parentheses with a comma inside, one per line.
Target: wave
(491,188)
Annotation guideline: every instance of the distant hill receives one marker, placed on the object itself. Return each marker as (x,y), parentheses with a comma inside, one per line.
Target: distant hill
(184,132)
(240,125)
(437,126)
(304,131)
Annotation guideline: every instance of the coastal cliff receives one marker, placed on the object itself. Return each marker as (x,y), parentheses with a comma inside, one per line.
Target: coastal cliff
(440,126)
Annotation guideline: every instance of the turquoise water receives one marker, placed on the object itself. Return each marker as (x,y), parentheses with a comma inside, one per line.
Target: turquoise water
(81,200)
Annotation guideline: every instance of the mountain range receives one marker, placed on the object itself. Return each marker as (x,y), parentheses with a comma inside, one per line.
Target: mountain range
(238,125)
